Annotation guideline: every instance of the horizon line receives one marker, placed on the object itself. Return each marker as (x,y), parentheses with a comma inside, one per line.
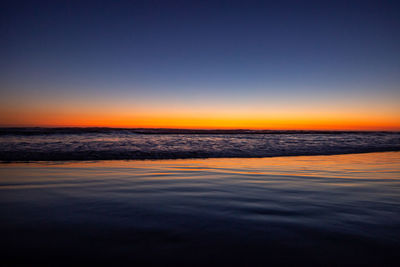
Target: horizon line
(199,129)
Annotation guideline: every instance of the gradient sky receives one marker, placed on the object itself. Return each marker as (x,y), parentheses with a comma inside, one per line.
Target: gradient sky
(201,64)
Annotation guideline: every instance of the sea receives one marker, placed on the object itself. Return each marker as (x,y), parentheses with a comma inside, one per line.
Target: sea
(168,197)
(51,144)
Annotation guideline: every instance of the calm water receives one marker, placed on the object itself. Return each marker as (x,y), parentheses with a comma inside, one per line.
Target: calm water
(30,144)
(342,209)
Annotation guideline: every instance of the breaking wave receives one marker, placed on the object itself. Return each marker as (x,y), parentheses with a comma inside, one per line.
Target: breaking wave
(50,144)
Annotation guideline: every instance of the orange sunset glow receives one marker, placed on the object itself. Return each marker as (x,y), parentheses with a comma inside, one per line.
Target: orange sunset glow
(200,133)
(227,118)
(216,73)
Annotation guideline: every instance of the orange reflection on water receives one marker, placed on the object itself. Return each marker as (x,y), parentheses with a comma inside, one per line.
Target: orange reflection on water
(384,165)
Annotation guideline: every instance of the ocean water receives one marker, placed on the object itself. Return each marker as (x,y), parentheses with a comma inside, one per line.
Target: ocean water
(32,144)
(335,210)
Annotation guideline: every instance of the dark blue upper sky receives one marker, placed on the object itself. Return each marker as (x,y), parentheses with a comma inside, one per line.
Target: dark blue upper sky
(203,51)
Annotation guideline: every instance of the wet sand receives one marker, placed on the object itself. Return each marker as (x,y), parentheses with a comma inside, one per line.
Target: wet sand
(318,210)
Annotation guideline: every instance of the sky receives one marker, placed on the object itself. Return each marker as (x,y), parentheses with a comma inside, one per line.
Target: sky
(201,64)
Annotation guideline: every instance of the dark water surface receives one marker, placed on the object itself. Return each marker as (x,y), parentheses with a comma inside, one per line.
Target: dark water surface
(52,144)
(306,210)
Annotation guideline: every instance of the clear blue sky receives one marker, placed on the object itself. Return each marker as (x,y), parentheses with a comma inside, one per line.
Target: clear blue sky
(264,58)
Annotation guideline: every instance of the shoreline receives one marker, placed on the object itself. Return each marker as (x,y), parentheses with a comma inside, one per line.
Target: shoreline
(197,158)
(193,159)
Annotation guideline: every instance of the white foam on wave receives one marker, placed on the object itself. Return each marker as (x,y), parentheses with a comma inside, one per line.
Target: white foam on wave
(127,145)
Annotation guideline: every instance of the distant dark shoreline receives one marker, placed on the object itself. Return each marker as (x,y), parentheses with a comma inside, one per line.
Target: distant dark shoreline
(106,130)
